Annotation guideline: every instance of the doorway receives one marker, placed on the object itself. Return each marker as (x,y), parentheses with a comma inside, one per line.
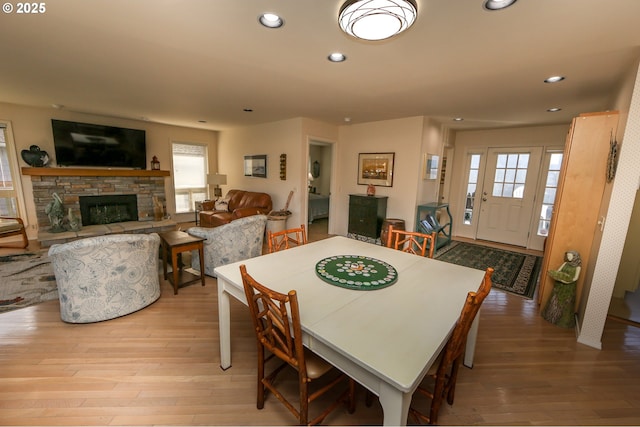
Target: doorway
(319,170)
(508,194)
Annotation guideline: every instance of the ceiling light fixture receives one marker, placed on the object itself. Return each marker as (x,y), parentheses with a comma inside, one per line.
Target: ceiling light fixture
(271,20)
(554,110)
(336,57)
(554,79)
(458,119)
(376,19)
(497,4)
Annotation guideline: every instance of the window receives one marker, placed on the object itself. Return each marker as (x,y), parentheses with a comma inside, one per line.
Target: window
(472,183)
(189,175)
(550,189)
(511,174)
(8,200)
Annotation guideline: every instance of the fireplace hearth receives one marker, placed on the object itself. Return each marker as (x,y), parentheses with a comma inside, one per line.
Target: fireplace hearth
(96,210)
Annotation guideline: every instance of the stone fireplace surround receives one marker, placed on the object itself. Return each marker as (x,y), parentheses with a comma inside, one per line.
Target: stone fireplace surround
(71,183)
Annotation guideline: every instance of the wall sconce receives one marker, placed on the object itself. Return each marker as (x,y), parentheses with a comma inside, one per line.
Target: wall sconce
(217,179)
(283,167)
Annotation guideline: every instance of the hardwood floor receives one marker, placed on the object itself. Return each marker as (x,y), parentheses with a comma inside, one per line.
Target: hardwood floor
(160,366)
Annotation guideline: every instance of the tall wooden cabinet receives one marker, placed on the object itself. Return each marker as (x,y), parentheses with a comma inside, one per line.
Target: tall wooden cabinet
(575,217)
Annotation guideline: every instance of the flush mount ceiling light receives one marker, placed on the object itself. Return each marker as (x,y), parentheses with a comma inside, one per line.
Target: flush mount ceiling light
(271,20)
(554,110)
(376,19)
(497,4)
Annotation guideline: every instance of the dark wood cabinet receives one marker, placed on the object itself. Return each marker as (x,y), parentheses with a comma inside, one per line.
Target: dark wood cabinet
(366,214)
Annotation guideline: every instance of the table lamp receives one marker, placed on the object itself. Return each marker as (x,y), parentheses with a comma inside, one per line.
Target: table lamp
(217,179)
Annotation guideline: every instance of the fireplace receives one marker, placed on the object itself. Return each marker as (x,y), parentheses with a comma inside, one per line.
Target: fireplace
(108,209)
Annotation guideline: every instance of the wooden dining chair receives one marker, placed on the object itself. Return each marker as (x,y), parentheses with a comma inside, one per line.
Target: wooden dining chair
(10,226)
(285,239)
(445,370)
(411,241)
(276,322)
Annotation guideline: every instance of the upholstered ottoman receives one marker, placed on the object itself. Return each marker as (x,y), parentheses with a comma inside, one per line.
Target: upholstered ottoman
(104,277)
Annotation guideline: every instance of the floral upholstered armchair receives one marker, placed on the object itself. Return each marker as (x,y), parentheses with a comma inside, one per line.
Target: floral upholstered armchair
(104,277)
(236,241)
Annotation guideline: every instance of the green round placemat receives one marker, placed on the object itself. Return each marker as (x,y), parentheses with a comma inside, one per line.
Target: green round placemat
(356,272)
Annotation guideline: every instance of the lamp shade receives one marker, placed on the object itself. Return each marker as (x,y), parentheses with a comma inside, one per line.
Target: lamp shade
(216,179)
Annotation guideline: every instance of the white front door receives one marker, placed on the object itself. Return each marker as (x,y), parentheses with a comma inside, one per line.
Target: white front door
(508,194)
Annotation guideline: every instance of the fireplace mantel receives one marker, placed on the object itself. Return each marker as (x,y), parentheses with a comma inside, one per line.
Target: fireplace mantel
(91,172)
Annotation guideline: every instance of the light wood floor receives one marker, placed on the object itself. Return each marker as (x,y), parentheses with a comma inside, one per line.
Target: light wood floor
(160,366)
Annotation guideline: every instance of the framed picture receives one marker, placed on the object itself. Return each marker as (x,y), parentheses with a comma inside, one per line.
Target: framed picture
(255,166)
(431,165)
(376,169)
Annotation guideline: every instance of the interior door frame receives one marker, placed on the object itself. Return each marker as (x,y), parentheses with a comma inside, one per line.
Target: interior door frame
(332,179)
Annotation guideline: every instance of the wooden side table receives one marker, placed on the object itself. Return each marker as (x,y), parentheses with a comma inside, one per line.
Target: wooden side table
(173,244)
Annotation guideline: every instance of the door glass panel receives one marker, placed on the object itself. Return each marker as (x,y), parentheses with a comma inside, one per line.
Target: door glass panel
(511,174)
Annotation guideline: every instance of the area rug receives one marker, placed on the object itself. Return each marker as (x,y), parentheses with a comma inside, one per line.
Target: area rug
(513,272)
(26,279)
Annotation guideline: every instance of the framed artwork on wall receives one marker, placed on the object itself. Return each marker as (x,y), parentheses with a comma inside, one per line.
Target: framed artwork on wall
(431,165)
(375,169)
(255,166)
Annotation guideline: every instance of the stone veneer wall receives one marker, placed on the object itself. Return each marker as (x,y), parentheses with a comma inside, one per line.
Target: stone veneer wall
(70,188)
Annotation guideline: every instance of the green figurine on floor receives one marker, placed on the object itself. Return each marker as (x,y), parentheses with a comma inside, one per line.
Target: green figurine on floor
(560,308)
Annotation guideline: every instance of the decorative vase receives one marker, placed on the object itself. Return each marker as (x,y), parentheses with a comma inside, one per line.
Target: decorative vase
(371,190)
(74,222)
(158,210)
(35,157)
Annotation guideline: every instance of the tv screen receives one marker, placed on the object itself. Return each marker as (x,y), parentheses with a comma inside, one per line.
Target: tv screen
(83,144)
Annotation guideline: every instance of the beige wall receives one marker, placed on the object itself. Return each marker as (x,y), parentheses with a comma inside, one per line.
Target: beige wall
(288,137)
(404,138)
(32,125)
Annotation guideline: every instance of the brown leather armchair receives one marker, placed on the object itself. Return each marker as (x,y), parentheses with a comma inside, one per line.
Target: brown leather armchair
(241,204)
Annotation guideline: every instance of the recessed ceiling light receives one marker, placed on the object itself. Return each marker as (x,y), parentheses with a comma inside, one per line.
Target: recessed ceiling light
(458,119)
(336,57)
(554,109)
(497,4)
(247,110)
(271,20)
(554,79)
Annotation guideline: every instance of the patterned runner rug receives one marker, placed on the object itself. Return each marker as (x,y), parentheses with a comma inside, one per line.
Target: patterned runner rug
(26,279)
(513,272)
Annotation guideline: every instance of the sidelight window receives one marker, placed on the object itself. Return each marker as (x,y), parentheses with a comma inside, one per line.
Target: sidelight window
(550,190)
(472,184)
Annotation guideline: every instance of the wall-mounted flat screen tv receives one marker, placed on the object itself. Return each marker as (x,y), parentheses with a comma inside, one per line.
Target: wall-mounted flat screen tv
(84,144)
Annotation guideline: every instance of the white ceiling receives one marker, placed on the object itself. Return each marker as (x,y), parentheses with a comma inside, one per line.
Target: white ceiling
(181,61)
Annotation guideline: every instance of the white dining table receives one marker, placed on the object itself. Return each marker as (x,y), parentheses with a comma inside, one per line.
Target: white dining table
(386,339)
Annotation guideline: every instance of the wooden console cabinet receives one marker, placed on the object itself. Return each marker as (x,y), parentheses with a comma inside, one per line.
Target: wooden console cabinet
(366,214)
